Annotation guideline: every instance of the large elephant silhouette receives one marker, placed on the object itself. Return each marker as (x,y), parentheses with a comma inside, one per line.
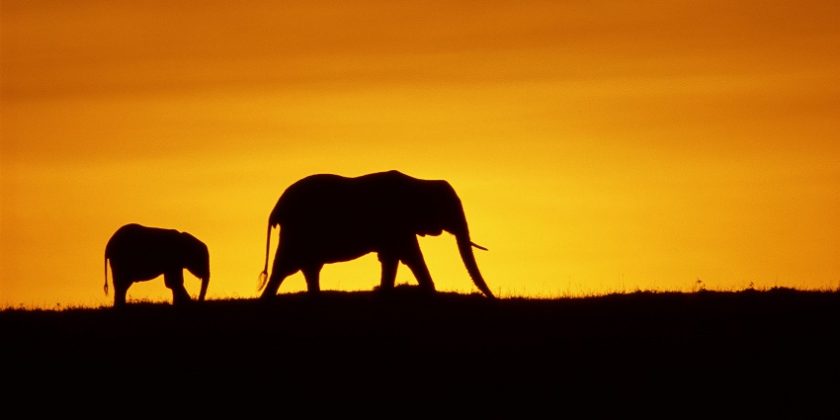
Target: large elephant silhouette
(328,218)
(140,253)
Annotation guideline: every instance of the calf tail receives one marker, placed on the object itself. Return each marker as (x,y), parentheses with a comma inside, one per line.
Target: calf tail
(264,273)
(106,276)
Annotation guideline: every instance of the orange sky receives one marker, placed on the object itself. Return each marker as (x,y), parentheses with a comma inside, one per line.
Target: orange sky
(597,146)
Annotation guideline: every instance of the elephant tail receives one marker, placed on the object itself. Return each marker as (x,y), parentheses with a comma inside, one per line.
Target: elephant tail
(105,286)
(264,274)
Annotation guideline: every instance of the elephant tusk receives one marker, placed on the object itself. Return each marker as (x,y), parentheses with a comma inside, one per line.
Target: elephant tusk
(478,246)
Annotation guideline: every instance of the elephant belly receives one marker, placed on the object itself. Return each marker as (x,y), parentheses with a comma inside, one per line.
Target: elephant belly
(327,247)
(342,254)
(338,249)
(141,268)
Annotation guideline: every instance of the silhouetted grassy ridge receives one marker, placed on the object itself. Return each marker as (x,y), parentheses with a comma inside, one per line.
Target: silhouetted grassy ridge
(775,352)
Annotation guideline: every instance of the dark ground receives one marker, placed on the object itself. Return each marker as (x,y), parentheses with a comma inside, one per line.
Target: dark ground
(704,354)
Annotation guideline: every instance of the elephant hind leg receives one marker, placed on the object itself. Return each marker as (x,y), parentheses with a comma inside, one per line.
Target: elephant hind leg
(389,271)
(312,275)
(120,290)
(278,273)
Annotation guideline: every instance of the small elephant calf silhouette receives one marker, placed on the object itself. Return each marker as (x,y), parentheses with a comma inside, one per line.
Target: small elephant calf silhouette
(140,253)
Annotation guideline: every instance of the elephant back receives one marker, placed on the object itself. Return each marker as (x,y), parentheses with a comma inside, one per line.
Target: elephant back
(134,236)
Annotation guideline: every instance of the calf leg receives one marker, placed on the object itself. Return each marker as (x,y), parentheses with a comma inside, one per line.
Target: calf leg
(174,280)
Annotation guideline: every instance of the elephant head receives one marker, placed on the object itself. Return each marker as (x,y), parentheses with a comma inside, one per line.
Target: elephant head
(196,260)
(435,207)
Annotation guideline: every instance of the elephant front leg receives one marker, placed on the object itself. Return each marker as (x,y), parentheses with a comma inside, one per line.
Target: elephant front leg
(389,271)
(413,258)
(174,280)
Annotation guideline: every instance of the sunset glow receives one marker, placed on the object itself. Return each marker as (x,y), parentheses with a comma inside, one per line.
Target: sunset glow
(597,147)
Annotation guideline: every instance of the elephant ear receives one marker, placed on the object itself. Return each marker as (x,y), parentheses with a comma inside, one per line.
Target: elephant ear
(193,245)
(429,216)
(191,241)
(446,208)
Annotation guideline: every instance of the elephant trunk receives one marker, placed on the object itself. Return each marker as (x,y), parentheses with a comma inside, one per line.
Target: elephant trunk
(465,247)
(204,282)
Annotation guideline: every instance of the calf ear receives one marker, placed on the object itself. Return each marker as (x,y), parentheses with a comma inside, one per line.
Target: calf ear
(193,244)
(190,240)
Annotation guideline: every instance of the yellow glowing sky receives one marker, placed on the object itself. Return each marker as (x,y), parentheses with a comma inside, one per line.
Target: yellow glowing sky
(597,146)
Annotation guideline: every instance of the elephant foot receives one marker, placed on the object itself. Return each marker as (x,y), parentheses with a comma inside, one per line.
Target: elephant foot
(181,300)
